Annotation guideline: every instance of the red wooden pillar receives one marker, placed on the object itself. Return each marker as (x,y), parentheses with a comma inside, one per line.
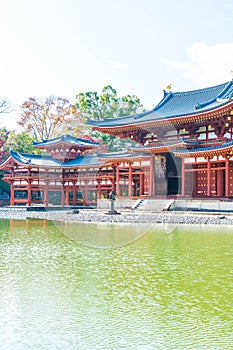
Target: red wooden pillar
(208,178)
(46,193)
(194,184)
(62,195)
(195,177)
(113,179)
(29,192)
(12,202)
(86,193)
(117,180)
(74,193)
(67,195)
(152,177)
(46,188)
(220,183)
(227,177)
(29,187)
(183,178)
(130,181)
(141,183)
(98,189)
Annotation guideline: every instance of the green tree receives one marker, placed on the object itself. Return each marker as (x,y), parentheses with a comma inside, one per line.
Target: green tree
(108,104)
(4,134)
(45,119)
(21,142)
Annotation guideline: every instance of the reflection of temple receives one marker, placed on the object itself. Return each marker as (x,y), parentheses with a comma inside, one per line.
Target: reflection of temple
(185,147)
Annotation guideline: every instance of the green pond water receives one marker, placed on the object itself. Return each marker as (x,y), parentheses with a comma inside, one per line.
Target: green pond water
(87,286)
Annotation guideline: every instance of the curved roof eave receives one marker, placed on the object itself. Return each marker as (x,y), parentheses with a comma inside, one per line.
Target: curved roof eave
(224,148)
(68,140)
(5,161)
(84,162)
(174,105)
(211,112)
(27,160)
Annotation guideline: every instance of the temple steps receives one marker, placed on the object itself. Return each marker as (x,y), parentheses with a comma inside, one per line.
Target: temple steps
(155,205)
(137,204)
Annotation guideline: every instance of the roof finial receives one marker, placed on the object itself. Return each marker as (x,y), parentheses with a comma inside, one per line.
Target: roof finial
(169,87)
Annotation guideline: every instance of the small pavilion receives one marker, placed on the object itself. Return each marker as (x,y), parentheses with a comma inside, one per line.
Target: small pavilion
(72,173)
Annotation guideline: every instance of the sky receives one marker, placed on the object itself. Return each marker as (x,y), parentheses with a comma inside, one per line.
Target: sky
(63,47)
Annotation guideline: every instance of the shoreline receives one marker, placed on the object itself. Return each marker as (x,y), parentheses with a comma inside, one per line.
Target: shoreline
(125,217)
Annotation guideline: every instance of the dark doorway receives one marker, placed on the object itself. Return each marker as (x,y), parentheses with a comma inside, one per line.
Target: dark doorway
(173,174)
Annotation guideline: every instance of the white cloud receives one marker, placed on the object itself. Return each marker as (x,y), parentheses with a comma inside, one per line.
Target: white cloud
(118,65)
(207,64)
(229,6)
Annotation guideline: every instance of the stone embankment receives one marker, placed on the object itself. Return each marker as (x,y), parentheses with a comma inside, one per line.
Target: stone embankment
(96,216)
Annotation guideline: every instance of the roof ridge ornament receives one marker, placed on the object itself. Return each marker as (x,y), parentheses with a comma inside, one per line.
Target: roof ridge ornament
(167,91)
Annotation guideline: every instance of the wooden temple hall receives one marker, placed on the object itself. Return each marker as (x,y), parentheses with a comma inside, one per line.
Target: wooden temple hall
(182,148)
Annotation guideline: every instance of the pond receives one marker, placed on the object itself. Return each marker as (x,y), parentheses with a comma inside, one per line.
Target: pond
(89,286)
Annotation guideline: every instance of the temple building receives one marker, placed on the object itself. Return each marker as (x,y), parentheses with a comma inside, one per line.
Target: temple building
(70,173)
(190,135)
(184,149)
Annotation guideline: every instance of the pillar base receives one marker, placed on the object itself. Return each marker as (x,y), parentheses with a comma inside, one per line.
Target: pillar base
(113,212)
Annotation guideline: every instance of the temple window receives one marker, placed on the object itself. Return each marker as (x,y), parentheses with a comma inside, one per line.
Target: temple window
(183,132)
(221,158)
(201,159)
(212,135)
(227,135)
(202,136)
(171,133)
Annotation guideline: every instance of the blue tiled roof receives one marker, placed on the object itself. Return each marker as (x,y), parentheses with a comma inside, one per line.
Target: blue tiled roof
(203,149)
(68,139)
(33,159)
(176,104)
(81,161)
(88,160)
(47,161)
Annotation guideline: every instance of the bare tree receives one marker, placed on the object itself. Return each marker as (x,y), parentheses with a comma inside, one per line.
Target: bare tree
(5,106)
(45,119)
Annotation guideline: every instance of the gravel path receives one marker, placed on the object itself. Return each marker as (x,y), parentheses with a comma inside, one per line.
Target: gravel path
(96,216)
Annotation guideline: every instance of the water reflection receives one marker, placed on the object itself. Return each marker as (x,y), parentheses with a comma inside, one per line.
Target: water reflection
(161,292)
(109,235)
